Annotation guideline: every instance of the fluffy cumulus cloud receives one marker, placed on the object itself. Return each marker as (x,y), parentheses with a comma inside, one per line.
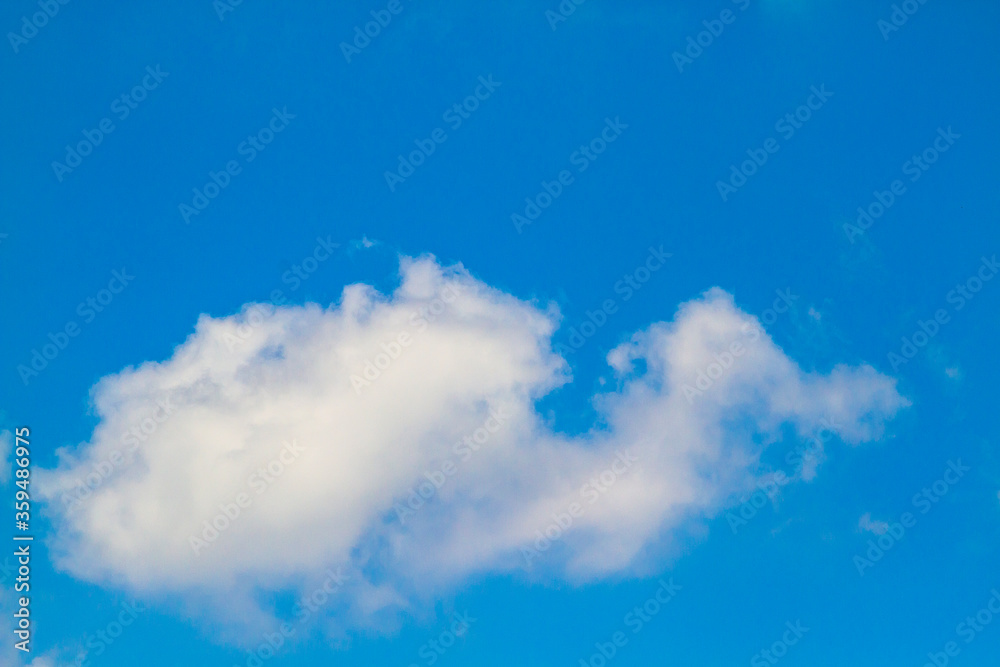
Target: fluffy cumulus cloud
(396,437)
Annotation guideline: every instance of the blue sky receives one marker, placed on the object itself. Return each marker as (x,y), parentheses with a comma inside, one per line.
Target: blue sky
(660,170)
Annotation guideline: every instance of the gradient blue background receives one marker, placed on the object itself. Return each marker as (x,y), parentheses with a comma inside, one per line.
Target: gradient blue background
(655,185)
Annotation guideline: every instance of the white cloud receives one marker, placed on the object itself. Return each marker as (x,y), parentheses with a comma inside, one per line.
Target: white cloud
(877,527)
(239,396)
(43,661)
(57,658)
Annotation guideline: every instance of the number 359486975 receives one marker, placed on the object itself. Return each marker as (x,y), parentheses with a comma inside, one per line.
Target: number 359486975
(22,457)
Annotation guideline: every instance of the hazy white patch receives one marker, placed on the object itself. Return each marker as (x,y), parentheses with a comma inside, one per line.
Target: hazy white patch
(866,523)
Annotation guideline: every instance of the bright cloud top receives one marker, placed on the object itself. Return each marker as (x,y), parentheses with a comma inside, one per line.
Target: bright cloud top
(396,436)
